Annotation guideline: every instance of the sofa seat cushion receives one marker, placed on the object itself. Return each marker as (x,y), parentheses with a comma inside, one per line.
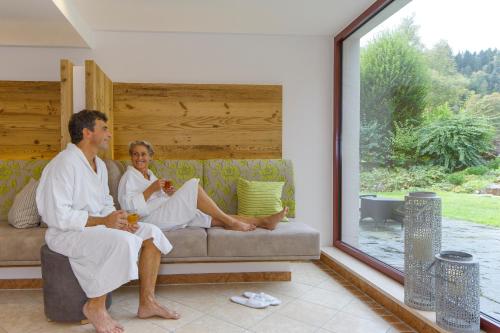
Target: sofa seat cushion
(187,242)
(289,239)
(20,245)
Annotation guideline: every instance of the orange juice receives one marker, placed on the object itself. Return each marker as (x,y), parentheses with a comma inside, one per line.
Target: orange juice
(133,218)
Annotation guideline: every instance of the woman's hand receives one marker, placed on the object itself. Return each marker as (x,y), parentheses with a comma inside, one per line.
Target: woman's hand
(157,185)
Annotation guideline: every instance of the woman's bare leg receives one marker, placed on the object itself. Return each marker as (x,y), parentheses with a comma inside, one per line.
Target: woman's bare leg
(267,222)
(209,207)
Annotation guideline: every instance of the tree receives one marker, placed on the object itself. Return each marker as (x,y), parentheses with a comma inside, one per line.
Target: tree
(394,78)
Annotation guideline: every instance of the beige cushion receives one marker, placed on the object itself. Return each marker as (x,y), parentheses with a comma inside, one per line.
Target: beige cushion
(21,245)
(288,239)
(115,172)
(187,242)
(23,213)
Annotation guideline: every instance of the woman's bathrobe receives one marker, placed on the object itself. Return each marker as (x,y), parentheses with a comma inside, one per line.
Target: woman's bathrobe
(166,212)
(102,258)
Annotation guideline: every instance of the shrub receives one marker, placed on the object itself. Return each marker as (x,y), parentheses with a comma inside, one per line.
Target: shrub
(477,170)
(387,180)
(457,142)
(457,178)
(494,164)
(374,145)
(404,145)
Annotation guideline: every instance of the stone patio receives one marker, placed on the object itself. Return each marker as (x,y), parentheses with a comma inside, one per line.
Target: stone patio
(384,241)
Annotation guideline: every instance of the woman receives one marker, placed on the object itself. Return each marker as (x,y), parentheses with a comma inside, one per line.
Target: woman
(142,191)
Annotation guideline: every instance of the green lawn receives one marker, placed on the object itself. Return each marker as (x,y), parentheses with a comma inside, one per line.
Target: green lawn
(463,206)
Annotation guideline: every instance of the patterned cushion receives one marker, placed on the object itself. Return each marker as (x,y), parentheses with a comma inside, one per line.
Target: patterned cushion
(23,213)
(178,171)
(220,178)
(14,175)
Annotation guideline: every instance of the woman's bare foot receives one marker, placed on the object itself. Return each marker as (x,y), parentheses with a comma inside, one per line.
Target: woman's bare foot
(270,222)
(101,320)
(153,308)
(239,226)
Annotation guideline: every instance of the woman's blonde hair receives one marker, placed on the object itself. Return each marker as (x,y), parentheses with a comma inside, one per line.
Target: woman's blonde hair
(144,143)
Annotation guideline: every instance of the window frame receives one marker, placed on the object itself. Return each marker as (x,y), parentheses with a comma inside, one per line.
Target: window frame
(487,323)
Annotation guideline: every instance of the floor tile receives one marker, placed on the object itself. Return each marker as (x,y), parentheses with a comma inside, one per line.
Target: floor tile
(276,323)
(344,322)
(240,315)
(365,310)
(209,324)
(290,289)
(21,296)
(331,299)
(308,313)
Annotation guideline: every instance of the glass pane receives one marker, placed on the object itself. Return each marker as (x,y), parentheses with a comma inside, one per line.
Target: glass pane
(421,112)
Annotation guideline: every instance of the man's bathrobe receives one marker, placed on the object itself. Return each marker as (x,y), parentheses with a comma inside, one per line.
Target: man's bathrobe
(102,258)
(167,212)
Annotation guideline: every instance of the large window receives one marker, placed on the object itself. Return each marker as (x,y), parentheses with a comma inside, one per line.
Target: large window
(418,109)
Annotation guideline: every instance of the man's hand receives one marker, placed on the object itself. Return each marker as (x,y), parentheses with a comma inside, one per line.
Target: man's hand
(132,228)
(116,220)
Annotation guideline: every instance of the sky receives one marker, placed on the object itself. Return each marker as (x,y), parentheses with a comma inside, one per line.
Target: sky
(472,25)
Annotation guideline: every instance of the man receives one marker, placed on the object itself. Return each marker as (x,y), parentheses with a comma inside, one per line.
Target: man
(73,199)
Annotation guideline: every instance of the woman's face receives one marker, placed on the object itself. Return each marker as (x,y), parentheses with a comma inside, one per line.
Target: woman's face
(140,158)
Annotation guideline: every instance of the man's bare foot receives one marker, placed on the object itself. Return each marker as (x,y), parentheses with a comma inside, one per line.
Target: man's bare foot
(270,222)
(101,320)
(155,309)
(239,226)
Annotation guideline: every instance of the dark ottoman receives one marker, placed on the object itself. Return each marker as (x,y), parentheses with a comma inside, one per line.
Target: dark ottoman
(63,297)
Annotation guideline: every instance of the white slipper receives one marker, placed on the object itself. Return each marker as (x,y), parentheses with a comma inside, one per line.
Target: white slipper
(262,296)
(256,303)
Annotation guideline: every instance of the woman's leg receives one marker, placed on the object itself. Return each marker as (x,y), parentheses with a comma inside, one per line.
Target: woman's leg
(219,218)
(266,222)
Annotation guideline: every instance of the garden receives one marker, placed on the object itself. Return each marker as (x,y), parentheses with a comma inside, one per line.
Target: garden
(430,120)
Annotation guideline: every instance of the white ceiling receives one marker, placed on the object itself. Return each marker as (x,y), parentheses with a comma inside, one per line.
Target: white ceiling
(270,17)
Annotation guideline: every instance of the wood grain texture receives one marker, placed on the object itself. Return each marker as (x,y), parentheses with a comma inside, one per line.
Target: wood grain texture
(99,96)
(177,278)
(199,121)
(30,126)
(66,100)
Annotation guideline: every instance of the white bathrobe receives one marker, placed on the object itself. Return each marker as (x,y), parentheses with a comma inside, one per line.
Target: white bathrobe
(102,258)
(166,212)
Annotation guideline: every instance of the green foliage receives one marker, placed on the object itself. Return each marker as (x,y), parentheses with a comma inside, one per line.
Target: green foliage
(383,179)
(494,164)
(439,112)
(374,145)
(487,107)
(404,145)
(477,170)
(483,68)
(394,78)
(457,178)
(457,142)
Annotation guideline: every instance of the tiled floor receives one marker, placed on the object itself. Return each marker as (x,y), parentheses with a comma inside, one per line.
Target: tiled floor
(316,300)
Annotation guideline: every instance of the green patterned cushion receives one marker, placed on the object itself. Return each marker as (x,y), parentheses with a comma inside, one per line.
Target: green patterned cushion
(178,171)
(14,175)
(257,198)
(220,178)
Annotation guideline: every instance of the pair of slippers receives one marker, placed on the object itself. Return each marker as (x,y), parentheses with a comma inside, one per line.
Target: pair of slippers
(256,300)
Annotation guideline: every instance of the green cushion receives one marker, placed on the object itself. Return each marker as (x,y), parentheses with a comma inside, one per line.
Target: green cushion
(257,198)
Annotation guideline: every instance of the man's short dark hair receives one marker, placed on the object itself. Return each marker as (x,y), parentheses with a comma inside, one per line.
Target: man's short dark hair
(81,120)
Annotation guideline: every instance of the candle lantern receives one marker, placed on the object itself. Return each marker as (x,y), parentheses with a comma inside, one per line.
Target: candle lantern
(457,292)
(422,241)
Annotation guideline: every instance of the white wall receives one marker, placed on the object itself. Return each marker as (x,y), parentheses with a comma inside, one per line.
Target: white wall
(303,65)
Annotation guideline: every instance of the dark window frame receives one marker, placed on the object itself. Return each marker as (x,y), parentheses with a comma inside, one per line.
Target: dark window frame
(487,323)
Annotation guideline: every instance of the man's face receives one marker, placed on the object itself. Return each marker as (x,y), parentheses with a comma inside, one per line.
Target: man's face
(101,135)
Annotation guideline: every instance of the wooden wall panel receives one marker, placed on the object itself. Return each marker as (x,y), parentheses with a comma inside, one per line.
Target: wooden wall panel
(99,96)
(66,100)
(199,121)
(30,126)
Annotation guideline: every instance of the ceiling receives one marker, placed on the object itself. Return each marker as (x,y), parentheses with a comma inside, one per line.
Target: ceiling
(74,22)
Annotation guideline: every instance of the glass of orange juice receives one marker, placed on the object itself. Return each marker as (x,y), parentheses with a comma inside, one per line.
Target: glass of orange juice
(132,216)
(167,185)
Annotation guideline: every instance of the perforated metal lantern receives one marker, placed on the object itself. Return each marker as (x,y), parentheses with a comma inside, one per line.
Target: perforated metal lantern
(422,238)
(457,292)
